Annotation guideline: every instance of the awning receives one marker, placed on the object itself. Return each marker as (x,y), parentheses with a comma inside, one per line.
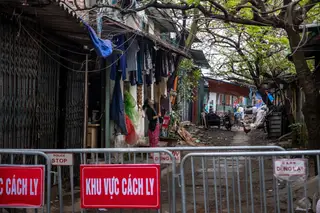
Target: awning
(111,26)
(55,18)
(199,58)
(312,46)
(162,20)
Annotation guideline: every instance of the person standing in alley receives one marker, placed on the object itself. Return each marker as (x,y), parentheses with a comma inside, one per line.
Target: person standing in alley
(154,126)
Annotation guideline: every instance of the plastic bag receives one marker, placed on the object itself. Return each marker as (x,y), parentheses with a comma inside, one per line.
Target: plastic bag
(132,136)
(260,118)
(129,100)
(129,107)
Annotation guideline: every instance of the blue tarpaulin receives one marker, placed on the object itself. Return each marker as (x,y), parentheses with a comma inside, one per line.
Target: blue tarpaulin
(258,96)
(270,97)
(259,100)
(103,47)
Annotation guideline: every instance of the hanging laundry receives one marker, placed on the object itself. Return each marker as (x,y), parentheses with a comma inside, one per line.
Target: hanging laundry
(132,51)
(148,77)
(103,47)
(149,61)
(148,66)
(163,87)
(171,65)
(165,70)
(164,103)
(171,81)
(159,66)
(133,78)
(119,61)
(139,65)
(172,78)
(117,106)
(163,67)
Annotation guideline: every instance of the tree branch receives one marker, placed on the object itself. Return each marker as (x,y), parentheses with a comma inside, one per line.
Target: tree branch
(184,6)
(239,80)
(221,8)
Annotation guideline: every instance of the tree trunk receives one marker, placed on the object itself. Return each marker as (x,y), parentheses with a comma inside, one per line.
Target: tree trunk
(187,44)
(306,80)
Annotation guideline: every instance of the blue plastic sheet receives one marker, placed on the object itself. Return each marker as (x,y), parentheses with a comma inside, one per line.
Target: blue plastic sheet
(103,47)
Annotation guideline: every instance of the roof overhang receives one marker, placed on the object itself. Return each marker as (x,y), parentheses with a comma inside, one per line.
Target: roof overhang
(162,20)
(222,87)
(199,58)
(109,25)
(54,17)
(312,46)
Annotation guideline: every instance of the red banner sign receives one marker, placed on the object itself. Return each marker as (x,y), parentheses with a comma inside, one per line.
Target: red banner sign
(120,186)
(21,186)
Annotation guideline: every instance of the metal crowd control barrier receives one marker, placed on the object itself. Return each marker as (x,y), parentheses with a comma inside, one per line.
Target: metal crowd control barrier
(92,159)
(23,180)
(268,181)
(69,160)
(225,148)
(179,153)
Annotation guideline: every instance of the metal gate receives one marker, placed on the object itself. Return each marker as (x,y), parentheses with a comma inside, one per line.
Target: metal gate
(74,110)
(28,86)
(41,100)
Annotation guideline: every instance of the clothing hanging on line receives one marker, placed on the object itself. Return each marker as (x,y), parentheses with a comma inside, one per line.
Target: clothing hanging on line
(118,61)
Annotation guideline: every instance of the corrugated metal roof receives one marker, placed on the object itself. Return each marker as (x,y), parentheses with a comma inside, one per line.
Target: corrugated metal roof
(53,16)
(154,38)
(59,18)
(222,87)
(199,58)
(162,19)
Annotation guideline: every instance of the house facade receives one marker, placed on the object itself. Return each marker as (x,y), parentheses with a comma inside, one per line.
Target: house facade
(55,89)
(41,84)
(224,96)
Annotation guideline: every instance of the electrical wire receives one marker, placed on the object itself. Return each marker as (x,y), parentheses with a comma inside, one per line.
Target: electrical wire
(170,20)
(73,70)
(55,44)
(54,53)
(71,51)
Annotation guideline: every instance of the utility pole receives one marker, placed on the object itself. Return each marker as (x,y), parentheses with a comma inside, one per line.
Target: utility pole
(107,86)
(85,113)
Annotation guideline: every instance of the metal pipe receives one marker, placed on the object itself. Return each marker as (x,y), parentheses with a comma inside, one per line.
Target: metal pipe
(233,148)
(107,107)
(256,150)
(85,113)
